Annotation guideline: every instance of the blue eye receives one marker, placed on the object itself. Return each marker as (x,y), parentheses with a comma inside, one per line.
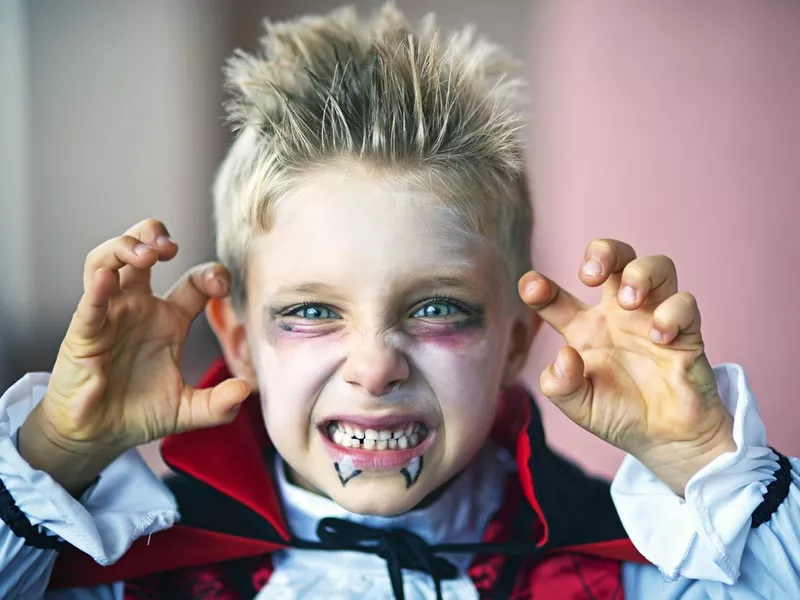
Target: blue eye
(436,310)
(313,312)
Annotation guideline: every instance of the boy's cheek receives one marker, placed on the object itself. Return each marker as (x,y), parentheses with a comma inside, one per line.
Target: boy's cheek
(294,380)
(291,365)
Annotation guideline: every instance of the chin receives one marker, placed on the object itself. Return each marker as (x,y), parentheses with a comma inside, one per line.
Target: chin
(385,497)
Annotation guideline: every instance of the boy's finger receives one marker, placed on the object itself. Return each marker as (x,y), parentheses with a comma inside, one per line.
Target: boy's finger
(677,315)
(90,315)
(115,254)
(603,263)
(200,283)
(209,407)
(650,279)
(153,233)
(567,387)
(556,306)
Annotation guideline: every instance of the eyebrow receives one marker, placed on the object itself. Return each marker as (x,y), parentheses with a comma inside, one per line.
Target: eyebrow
(453,279)
(443,278)
(309,288)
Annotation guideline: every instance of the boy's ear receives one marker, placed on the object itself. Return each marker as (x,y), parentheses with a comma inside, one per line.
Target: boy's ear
(232,336)
(523,332)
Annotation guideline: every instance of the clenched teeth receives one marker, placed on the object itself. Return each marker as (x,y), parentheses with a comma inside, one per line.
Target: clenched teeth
(347,435)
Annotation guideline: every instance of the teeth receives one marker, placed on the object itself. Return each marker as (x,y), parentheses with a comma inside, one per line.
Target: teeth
(353,436)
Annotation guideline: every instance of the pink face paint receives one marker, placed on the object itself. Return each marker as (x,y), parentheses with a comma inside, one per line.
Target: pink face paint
(445,337)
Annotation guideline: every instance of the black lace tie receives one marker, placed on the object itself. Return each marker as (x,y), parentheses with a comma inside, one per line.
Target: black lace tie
(400,549)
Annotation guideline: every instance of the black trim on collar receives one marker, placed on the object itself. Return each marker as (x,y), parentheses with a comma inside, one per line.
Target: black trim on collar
(202,506)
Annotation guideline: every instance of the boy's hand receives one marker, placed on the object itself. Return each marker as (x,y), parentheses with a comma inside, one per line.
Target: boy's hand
(634,373)
(117,383)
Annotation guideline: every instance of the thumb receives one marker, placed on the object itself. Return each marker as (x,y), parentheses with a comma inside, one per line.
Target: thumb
(565,384)
(209,407)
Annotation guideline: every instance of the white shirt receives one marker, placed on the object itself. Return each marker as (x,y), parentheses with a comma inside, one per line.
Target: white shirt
(703,545)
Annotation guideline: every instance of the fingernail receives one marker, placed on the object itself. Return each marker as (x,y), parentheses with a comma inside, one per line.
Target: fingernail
(627,295)
(211,275)
(140,249)
(558,367)
(656,336)
(165,240)
(592,268)
(531,286)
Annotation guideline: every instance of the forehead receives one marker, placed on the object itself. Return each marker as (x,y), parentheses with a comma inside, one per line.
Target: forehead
(360,226)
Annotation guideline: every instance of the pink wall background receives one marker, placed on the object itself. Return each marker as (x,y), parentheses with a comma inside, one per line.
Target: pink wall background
(676,127)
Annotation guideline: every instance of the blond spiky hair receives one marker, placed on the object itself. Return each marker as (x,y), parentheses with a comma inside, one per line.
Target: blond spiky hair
(441,112)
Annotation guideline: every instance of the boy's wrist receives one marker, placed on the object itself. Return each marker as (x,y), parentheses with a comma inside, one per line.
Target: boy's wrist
(73,467)
(676,466)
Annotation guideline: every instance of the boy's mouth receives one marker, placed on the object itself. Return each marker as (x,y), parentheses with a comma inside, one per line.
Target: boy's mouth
(376,445)
(399,437)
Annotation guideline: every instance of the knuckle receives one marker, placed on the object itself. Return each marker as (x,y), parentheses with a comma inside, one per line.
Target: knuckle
(97,253)
(636,272)
(153,224)
(688,300)
(621,253)
(603,245)
(665,263)
(127,241)
(91,258)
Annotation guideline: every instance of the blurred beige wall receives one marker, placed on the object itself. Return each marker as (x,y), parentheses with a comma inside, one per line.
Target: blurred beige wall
(113,115)
(15,220)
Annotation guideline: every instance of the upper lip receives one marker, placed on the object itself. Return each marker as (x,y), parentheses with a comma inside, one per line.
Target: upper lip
(378,422)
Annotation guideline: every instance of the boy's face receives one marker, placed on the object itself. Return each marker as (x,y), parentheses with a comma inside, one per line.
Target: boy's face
(370,314)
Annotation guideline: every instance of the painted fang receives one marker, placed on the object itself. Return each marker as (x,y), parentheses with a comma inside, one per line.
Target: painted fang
(345,470)
(412,471)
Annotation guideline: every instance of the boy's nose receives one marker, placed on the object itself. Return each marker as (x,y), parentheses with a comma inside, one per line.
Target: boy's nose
(375,366)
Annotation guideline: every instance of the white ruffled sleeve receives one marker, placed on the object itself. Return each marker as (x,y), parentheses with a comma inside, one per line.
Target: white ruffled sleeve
(128,501)
(704,545)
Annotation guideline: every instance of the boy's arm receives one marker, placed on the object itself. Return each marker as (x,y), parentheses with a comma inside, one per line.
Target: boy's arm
(127,501)
(706,544)
(635,373)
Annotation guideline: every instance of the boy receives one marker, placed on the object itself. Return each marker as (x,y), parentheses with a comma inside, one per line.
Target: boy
(372,223)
